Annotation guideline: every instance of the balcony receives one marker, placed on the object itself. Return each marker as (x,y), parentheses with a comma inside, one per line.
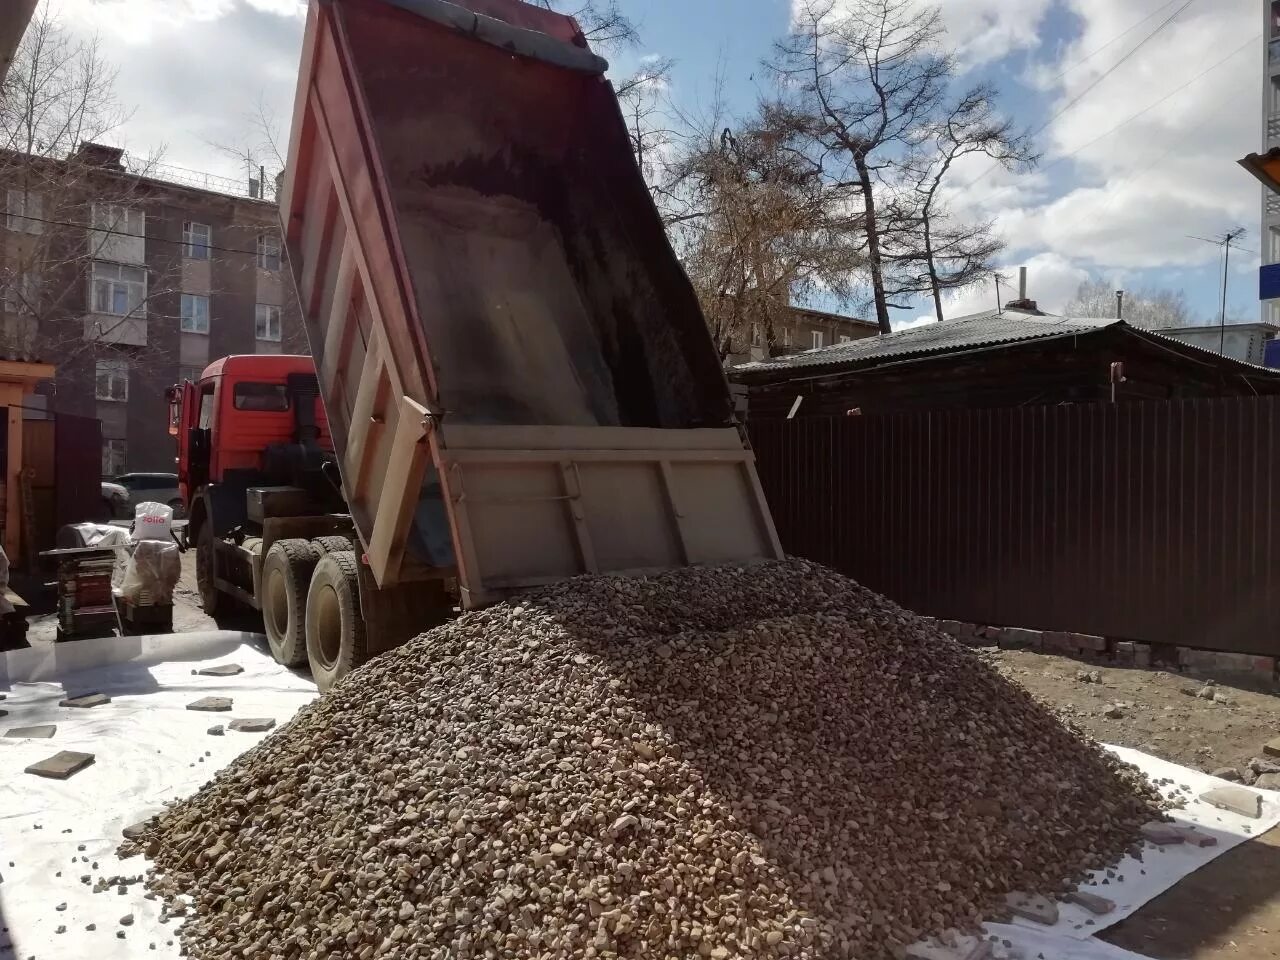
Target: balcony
(105,328)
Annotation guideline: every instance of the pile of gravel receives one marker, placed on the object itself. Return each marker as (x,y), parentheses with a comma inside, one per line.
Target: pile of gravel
(729,762)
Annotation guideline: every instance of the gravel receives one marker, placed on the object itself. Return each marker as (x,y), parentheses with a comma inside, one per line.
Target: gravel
(715,762)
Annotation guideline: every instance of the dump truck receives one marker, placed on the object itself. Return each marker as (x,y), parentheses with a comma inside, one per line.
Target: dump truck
(511,380)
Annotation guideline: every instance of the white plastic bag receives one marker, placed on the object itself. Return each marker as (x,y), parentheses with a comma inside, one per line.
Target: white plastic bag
(153,521)
(152,572)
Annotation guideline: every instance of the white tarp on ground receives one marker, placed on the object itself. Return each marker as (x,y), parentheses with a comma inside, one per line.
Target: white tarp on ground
(150,749)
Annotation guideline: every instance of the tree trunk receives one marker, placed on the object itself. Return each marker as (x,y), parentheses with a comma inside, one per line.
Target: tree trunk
(873,243)
(933,272)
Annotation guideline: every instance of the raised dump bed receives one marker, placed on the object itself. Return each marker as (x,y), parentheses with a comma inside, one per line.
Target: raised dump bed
(519,381)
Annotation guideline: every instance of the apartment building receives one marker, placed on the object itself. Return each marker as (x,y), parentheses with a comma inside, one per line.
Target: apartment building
(129,277)
(802,329)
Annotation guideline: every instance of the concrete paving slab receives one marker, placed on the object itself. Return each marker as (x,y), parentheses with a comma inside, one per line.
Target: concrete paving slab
(41,731)
(85,700)
(1091,902)
(1239,800)
(220,670)
(61,765)
(1033,907)
(252,724)
(211,704)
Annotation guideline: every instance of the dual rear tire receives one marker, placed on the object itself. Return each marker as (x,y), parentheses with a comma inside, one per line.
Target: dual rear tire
(311,607)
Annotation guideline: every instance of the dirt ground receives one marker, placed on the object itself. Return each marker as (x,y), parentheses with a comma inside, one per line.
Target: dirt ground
(1230,908)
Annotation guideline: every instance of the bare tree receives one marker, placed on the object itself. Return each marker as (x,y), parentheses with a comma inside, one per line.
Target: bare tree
(862,78)
(758,227)
(261,149)
(1148,308)
(954,254)
(602,21)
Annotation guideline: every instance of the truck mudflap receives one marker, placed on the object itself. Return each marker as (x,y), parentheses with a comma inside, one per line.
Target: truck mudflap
(517,374)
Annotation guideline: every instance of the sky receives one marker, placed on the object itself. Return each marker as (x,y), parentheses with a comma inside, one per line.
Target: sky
(1139,128)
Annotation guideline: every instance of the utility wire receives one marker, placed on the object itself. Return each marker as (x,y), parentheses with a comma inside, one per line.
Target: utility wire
(111,231)
(1116,66)
(1128,120)
(1117,37)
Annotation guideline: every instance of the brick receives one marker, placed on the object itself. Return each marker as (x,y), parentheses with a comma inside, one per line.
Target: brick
(1265,665)
(953,628)
(41,731)
(1142,655)
(210,704)
(1033,907)
(1163,834)
(1247,803)
(85,700)
(1195,838)
(1124,651)
(221,670)
(1091,902)
(61,765)
(252,724)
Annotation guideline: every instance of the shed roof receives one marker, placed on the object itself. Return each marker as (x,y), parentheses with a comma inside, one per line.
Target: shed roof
(953,336)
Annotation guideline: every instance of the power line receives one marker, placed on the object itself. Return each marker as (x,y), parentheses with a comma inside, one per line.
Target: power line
(110,231)
(1119,63)
(1117,37)
(1128,120)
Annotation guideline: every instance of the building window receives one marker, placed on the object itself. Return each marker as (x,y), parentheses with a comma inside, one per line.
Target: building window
(818,339)
(266,324)
(113,380)
(188,372)
(268,251)
(196,238)
(195,313)
(22,293)
(24,209)
(113,457)
(117,218)
(118,290)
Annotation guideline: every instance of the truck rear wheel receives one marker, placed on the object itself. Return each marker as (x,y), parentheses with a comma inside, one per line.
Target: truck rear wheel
(333,544)
(205,571)
(286,575)
(336,641)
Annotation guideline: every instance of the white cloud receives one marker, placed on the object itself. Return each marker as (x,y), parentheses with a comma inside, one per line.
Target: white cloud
(985,30)
(1052,280)
(193,71)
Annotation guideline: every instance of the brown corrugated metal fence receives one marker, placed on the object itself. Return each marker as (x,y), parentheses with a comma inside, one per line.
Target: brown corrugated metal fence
(1142,521)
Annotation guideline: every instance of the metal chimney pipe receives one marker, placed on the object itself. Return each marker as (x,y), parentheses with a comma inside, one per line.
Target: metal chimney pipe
(1022,283)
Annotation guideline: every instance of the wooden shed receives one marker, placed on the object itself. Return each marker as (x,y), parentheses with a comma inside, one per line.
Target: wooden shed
(1006,359)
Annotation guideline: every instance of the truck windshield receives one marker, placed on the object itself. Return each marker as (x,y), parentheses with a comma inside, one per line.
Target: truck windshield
(271,397)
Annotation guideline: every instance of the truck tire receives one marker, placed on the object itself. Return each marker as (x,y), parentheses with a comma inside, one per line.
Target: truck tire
(335,544)
(286,576)
(210,599)
(336,640)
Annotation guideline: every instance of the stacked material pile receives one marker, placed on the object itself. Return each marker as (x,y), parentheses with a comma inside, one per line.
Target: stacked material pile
(731,762)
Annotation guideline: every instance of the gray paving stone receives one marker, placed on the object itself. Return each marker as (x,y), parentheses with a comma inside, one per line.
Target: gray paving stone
(252,724)
(216,731)
(1247,803)
(41,731)
(211,704)
(85,700)
(61,765)
(220,670)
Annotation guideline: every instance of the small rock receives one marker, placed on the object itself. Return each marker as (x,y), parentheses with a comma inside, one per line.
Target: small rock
(126,920)
(252,725)
(1114,712)
(215,731)
(1227,773)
